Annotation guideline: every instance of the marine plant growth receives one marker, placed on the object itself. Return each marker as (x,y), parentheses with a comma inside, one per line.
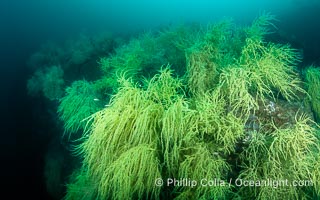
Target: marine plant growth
(197,113)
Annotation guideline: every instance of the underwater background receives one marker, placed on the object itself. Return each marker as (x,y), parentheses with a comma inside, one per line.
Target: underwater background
(60,61)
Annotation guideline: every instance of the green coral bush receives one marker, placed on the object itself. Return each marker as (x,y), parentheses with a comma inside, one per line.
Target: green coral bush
(79,103)
(132,175)
(203,165)
(155,117)
(143,55)
(283,157)
(272,69)
(212,122)
(196,125)
(55,66)
(48,81)
(235,85)
(82,186)
(211,51)
(313,85)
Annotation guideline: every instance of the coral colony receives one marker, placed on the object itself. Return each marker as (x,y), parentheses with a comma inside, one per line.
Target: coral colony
(191,113)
